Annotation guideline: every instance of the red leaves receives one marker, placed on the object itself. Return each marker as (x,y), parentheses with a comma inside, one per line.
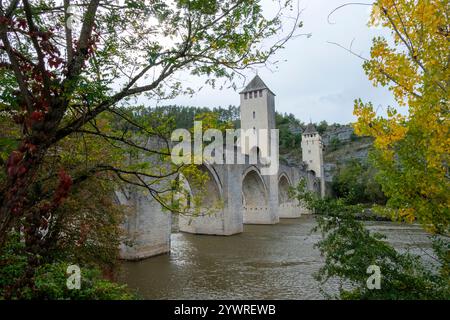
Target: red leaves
(55,62)
(84,231)
(37,116)
(12,166)
(22,24)
(62,191)
(65,179)
(21,170)
(30,147)
(5,21)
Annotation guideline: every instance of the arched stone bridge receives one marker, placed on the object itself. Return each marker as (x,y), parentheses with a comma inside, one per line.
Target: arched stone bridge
(247,197)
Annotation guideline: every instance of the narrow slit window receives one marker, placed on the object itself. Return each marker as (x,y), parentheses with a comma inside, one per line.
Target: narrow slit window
(254,114)
(260,93)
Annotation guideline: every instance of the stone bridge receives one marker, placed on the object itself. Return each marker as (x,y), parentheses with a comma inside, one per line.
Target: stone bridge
(246,197)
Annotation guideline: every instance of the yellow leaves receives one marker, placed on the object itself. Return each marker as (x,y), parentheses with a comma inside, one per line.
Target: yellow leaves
(380,48)
(407,214)
(419,53)
(385,131)
(365,116)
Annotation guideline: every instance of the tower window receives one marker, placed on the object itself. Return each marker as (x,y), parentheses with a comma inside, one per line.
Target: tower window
(250,94)
(309,151)
(260,93)
(245,95)
(254,114)
(254,130)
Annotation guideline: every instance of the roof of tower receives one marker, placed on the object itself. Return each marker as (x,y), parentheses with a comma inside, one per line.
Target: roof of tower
(310,128)
(256,84)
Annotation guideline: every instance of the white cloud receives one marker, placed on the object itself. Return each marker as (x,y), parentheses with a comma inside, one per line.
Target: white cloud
(319,79)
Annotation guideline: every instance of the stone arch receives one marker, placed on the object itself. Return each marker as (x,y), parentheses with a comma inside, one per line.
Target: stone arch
(283,188)
(205,211)
(254,190)
(213,186)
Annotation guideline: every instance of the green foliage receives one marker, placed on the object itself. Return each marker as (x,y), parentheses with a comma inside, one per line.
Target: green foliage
(349,249)
(88,228)
(50,279)
(12,263)
(335,143)
(184,116)
(355,181)
(322,127)
(50,283)
(290,131)
(63,157)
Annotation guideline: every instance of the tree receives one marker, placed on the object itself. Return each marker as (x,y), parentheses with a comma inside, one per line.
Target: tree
(412,146)
(69,69)
(322,127)
(355,182)
(350,250)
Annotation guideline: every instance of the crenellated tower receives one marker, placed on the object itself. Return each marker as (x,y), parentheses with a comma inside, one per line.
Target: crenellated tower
(312,153)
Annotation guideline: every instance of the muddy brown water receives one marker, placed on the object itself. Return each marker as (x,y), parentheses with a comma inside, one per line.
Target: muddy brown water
(263,262)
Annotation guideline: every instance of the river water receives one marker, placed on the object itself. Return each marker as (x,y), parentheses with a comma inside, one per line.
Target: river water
(263,262)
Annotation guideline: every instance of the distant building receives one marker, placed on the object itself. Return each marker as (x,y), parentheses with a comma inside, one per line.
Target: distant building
(312,153)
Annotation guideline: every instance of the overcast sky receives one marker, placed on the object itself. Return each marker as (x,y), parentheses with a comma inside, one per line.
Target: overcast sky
(318,80)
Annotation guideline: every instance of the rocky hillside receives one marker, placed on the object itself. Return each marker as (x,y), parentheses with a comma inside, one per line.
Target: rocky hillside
(340,146)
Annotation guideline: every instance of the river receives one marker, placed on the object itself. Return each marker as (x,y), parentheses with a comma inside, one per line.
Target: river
(263,262)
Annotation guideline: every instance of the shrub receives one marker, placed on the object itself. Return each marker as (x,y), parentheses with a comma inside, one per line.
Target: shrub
(50,279)
(349,249)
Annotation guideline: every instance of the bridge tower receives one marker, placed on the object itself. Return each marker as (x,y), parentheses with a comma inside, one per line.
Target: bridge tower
(257,109)
(312,153)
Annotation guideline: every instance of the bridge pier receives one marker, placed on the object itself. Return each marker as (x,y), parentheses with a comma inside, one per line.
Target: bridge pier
(289,210)
(148,227)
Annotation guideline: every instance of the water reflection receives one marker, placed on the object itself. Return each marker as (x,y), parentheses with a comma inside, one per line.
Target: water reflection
(264,262)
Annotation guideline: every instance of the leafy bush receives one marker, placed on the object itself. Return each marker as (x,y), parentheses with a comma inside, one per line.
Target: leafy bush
(335,143)
(349,249)
(355,182)
(50,283)
(50,280)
